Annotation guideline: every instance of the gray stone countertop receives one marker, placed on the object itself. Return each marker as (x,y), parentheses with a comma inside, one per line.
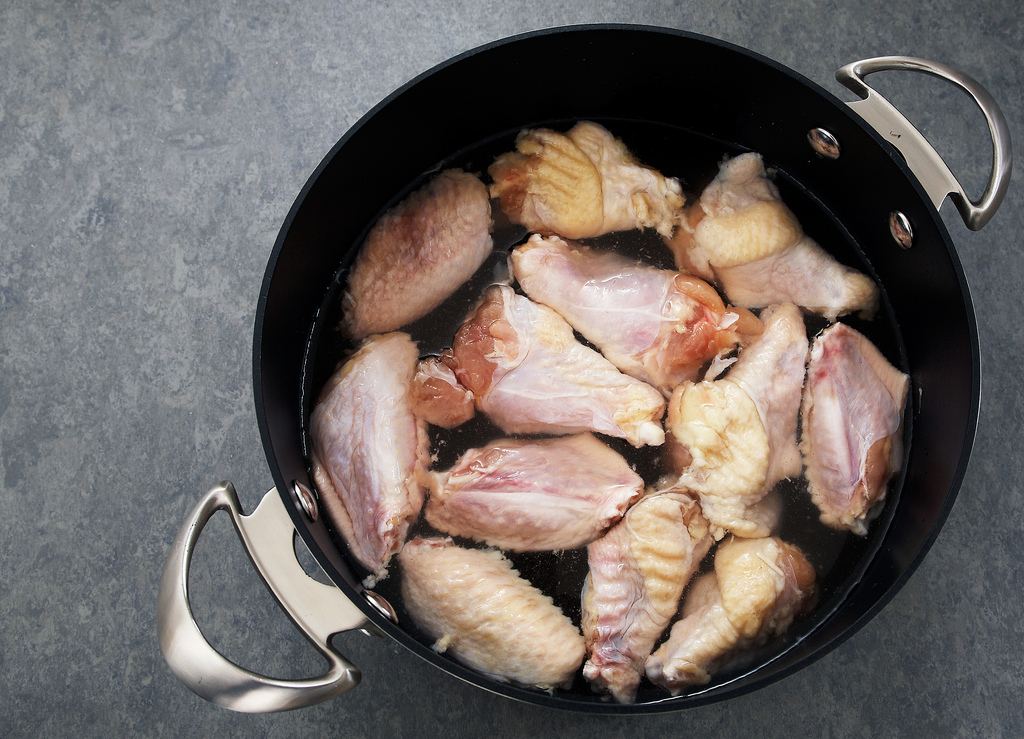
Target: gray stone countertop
(149,153)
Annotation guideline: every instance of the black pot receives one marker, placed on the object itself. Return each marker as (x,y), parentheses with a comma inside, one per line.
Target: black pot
(860,198)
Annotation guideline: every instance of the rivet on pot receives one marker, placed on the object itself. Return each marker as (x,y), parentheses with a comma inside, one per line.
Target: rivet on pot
(307,499)
(823,143)
(899,227)
(381,604)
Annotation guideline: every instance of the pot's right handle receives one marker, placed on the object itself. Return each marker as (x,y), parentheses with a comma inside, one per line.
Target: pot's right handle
(922,159)
(318,610)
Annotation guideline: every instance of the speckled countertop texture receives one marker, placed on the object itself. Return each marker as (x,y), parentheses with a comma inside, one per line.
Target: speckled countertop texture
(149,152)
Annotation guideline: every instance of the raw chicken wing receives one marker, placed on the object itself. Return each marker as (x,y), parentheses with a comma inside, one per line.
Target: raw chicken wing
(656,325)
(758,587)
(582,183)
(479,610)
(418,254)
(638,571)
(534,495)
(370,451)
(739,433)
(742,235)
(530,375)
(852,422)
(437,395)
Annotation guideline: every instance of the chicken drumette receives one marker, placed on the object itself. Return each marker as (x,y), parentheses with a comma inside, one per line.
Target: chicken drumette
(657,325)
(530,375)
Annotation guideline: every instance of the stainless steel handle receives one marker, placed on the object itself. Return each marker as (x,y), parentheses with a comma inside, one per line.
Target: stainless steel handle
(318,610)
(922,159)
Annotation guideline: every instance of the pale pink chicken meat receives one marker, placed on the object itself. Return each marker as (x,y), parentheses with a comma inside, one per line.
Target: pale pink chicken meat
(757,589)
(638,571)
(657,325)
(369,450)
(737,435)
(743,236)
(478,609)
(437,395)
(418,254)
(582,183)
(530,375)
(852,422)
(533,495)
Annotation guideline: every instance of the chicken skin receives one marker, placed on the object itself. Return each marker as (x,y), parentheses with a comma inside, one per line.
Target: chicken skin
(656,325)
(756,590)
(852,421)
(738,434)
(478,609)
(638,571)
(582,183)
(529,374)
(418,254)
(743,236)
(533,495)
(370,452)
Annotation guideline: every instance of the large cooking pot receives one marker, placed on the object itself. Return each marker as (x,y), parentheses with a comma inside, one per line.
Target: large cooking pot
(859,176)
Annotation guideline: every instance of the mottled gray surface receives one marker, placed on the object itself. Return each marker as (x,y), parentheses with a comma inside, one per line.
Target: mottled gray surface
(148,154)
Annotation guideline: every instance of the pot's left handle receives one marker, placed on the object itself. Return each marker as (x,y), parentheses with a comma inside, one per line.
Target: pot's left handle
(318,610)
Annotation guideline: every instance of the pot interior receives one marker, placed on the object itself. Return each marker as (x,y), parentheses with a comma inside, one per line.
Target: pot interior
(468,111)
